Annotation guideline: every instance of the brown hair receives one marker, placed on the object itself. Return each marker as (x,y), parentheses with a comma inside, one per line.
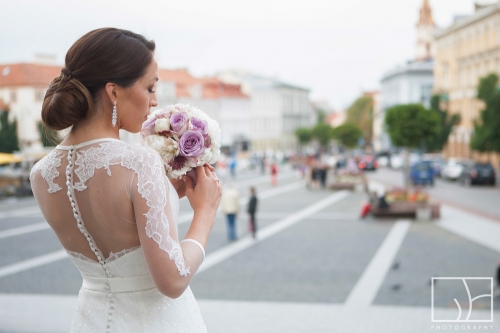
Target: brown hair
(100,56)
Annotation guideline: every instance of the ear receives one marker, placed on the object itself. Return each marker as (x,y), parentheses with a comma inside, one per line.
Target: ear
(110,89)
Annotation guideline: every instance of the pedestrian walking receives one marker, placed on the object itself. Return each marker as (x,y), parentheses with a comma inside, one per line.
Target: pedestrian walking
(322,175)
(232,167)
(252,209)
(274,174)
(230,204)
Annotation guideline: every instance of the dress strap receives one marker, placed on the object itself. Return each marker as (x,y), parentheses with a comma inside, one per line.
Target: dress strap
(86,143)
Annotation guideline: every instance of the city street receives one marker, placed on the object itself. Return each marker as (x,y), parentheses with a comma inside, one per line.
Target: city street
(314,267)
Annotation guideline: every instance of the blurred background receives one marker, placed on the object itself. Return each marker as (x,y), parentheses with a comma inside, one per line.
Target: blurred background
(385,113)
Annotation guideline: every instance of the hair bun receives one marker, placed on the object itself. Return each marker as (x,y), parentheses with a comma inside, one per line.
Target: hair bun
(66,102)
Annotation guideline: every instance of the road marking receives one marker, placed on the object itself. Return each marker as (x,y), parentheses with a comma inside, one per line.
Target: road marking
(246,242)
(20,212)
(24,230)
(33,263)
(470,226)
(365,290)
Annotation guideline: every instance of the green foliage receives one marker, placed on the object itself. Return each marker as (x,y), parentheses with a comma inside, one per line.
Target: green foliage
(304,135)
(321,116)
(8,134)
(360,113)
(410,124)
(486,136)
(347,134)
(323,133)
(49,137)
(445,126)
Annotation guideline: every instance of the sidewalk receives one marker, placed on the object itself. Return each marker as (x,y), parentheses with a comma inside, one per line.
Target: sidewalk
(30,313)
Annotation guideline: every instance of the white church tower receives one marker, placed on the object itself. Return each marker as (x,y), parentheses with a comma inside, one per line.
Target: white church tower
(425,33)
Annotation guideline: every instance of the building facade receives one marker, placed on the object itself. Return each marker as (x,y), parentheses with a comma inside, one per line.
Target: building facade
(22,89)
(411,82)
(466,51)
(277,109)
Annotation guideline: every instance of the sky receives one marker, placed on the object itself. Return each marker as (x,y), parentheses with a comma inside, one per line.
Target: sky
(335,48)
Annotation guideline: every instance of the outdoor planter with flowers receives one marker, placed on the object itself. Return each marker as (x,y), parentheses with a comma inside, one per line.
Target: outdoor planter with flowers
(400,203)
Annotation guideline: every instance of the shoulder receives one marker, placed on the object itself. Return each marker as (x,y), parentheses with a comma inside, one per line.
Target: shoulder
(51,160)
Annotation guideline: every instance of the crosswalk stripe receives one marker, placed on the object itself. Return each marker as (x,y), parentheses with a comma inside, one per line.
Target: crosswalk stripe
(20,212)
(365,290)
(33,262)
(24,230)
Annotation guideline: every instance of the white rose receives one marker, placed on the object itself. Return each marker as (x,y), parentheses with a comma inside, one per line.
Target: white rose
(157,142)
(206,157)
(169,150)
(162,124)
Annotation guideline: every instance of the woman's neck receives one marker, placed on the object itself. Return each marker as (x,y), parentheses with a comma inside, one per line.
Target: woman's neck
(90,129)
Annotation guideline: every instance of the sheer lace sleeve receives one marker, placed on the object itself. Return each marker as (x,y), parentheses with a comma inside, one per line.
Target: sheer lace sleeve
(153,212)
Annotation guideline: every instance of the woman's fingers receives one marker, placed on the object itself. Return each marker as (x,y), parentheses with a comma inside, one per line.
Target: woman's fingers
(189,184)
(200,171)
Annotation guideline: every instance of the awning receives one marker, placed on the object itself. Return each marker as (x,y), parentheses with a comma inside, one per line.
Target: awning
(8,158)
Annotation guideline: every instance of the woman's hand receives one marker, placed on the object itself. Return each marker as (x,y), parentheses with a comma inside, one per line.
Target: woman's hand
(205,197)
(180,187)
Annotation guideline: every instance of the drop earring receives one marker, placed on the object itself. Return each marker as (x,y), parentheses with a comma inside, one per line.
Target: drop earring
(113,121)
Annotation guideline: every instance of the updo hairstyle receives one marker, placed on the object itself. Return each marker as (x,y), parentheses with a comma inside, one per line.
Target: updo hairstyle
(101,56)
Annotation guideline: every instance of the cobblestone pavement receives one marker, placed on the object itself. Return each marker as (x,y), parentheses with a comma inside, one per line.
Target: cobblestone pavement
(315,267)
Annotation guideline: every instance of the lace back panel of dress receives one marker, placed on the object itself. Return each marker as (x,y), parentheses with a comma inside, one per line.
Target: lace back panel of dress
(149,170)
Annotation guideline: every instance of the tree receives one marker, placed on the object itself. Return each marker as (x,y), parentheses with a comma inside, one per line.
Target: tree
(321,116)
(486,136)
(48,137)
(323,133)
(360,113)
(409,126)
(304,135)
(8,134)
(446,125)
(347,134)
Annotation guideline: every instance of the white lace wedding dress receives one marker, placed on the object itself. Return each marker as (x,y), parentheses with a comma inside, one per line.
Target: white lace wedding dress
(118,293)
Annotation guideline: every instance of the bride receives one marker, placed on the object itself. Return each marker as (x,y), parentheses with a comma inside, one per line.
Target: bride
(110,203)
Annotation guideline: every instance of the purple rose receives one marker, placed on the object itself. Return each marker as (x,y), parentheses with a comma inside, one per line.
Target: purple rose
(199,125)
(191,144)
(178,122)
(148,127)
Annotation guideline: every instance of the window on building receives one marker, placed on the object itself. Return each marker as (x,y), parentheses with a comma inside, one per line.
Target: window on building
(39,95)
(13,96)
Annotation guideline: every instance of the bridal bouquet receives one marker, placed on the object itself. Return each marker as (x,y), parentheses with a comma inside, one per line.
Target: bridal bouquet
(184,136)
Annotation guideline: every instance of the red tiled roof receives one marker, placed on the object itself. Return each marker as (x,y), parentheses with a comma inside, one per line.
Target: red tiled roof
(211,87)
(214,88)
(27,74)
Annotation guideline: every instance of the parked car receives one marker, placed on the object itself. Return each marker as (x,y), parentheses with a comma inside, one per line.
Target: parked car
(368,162)
(453,169)
(383,161)
(422,173)
(396,161)
(478,173)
